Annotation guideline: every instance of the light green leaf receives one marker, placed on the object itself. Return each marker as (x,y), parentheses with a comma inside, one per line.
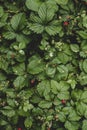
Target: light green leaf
(28,122)
(45,104)
(74,47)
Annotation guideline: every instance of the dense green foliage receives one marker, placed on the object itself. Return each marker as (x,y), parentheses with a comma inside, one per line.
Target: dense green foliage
(43,64)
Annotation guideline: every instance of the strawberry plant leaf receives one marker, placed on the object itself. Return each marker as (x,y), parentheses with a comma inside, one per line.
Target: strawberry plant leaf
(36,65)
(1,11)
(84,126)
(85,65)
(18,21)
(71,125)
(33,4)
(45,104)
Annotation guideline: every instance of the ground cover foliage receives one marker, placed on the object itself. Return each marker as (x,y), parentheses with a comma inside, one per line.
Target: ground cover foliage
(43,64)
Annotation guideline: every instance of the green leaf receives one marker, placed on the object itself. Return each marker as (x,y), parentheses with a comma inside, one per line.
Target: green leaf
(36,27)
(22,45)
(8,111)
(62,2)
(63,95)
(2,77)
(43,88)
(72,82)
(18,21)
(53,28)
(54,86)
(83,78)
(64,58)
(72,125)
(85,65)
(50,71)
(35,65)
(74,47)
(85,21)
(3,64)
(19,82)
(62,69)
(8,127)
(28,122)
(1,11)
(3,122)
(76,94)
(81,108)
(19,69)
(33,4)
(47,12)
(45,104)
(73,116)
(83,34)
(22,38)
(84,97)
(62,117)
(9,35)
(27,106)
(63,90)
(84,126)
